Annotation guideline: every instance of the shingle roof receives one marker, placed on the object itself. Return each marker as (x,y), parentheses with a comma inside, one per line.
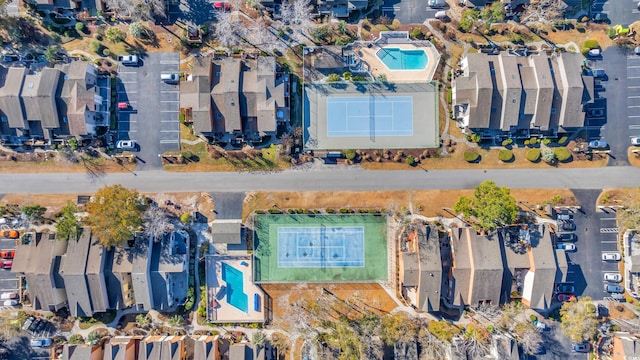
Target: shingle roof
(546,270)
(475,88)
(38,95)
(196,94)
(226,231)
(39,261)
(74,264)
(410,274)
(429,289)
(10,101)
(225,93)
(135,260)
(511,90)
(78,95)
(568,75)
(477,267)
(206,348)
(82,352)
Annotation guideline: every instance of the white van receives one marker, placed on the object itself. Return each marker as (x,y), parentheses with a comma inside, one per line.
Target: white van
(9,296)
(441,15)
(170,77)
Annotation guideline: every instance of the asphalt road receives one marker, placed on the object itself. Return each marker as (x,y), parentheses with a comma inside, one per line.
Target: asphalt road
(323,179)
(152,120)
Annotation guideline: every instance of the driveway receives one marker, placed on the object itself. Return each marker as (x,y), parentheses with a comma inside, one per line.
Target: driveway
(408,11)
(228,205)
(195,12)
(619,96)
(557,346)
(622,12)
(152,119)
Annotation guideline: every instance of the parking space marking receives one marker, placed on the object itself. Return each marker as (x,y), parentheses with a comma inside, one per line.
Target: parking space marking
(169,141)
(174,101)
(607,219)
(609,241)
(169,62)
(127,131)
(634,127)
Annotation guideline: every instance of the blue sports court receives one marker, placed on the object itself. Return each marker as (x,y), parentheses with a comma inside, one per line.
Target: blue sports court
(321,247)
(369,116)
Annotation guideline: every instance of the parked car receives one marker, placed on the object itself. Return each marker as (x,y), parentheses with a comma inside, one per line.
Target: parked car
(595,113)
(34,325)
(635,140)
(564,216)
(28,323)
(611,257)
(567,226)
(41,343)
(10,234)
(7,254)
(128,145)
(637,50)
(41,326)
(566,237)
(9,295)
(565,297)
(614,289)
(600,18)
(170,77)
(130,60)
(7,265)
(567,247)
(612,277)
(437,4)
(565,288)
(10,303)
(598,144)
(581,347)
(594,52)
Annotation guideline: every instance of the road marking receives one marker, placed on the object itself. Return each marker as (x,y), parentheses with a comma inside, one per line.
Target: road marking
(169,91)
(167,131)
(127,92)
(169,111)
(634,116)
(169,141)
(609,242)
(609,230)
(633,77)
(127,131)
(633,106)
(633,97)
(633,67)
(172,101)
(169,62)
(127,72)
(634,127)
(167,121)
(633,87)
(605,219)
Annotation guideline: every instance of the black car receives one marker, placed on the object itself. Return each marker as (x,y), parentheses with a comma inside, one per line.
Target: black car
(34,324)
(567,237)
(567,226)
(41,326)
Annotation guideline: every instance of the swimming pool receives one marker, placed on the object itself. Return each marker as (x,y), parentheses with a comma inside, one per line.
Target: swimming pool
(399,59)
(235,287)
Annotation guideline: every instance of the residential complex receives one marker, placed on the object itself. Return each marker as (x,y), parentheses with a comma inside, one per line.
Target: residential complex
(53,103)
(84,277)
(231,99)
(521,96)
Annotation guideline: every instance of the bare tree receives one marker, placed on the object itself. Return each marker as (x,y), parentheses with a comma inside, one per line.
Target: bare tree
(530,340)
(299,16)
(156,222)
(432,347)
(259,35)
(137,9)
(228,29)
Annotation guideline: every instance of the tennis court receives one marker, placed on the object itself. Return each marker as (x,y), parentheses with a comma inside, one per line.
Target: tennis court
(370,116)
(319,248)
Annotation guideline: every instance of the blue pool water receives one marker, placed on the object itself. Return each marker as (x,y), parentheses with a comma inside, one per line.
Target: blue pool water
(399,59)
(235,287)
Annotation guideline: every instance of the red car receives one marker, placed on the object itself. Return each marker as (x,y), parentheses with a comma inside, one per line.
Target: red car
(7,254)
(7,265)
(10,234)
(566,297)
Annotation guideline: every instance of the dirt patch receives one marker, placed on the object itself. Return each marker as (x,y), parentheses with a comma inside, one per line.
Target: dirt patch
(610,197)
(634,158)
(620,311)
(424,202)
(51,162)
(373,295)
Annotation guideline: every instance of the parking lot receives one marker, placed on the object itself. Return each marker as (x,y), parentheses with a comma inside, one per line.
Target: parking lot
(152,119)
(408,11)
(597,234)
(8,280)
(622,12)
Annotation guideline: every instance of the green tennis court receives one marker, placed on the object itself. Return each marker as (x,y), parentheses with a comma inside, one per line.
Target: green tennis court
(320,248)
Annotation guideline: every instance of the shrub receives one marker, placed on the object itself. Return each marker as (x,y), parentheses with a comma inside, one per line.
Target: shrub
(106,52)
(416,33)
(533,155)
(76,339)
(275,211)
(79,27)
(333,78)
(185,218)
(350,154)
(563,140)
(546,141)
(330,211)
(591,44)
(548,156)
(505,155)
(344,211)
(507,142)
(410,160)
(471,156)
(95,46)
(526,142)
(562,153)
(533,317)
(475,138)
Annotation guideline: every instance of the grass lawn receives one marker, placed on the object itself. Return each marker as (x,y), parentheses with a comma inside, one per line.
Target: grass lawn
(99,318)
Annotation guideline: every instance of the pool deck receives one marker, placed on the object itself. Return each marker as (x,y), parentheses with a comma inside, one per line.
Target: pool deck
(377,67)
(218,309)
